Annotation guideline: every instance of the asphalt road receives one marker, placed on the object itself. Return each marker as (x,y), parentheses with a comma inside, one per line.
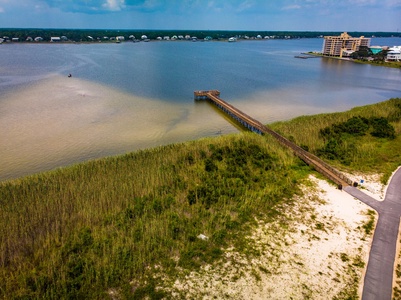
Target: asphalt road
(378,282)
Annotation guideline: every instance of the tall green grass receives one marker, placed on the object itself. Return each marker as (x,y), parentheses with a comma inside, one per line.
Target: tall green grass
(80,231)
(110,225)
(365,154)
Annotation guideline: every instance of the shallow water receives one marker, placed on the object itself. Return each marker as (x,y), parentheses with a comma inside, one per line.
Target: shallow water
(124,97)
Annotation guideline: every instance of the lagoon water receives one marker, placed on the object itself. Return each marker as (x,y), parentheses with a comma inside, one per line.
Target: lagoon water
(130,96)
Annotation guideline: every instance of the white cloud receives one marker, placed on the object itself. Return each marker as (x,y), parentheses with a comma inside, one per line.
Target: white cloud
(151,4)
(114,5)
(245,5)
(362,2)
(289,7)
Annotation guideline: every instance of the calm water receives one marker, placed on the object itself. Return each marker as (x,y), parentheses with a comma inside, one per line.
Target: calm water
(260,77)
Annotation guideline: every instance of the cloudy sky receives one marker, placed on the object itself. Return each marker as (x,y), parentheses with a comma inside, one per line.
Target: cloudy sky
(299,15)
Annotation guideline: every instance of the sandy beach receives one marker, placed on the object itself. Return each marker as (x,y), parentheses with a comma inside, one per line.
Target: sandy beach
(321,252)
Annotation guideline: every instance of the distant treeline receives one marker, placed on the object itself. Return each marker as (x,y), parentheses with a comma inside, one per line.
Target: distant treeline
(86,35)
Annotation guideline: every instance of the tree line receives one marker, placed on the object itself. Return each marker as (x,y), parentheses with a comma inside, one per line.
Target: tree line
(84,34)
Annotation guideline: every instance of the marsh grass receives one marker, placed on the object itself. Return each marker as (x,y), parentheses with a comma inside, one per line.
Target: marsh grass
(107,226)
(360,153)
(80,231)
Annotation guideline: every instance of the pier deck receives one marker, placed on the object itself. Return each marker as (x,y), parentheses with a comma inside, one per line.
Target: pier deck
(322,167)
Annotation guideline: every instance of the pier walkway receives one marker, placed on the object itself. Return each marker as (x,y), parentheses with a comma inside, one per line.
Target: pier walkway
(322,167)
(378,281)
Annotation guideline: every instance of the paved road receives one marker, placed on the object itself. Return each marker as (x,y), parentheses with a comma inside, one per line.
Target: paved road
(379,274)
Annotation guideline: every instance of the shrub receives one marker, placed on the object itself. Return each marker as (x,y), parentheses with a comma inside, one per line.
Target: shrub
(382,128)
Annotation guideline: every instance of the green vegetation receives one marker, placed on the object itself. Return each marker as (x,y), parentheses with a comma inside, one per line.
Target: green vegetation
(336,136)
(390,64)
(81,231)
(79,35)
(369,225)
(365,139)
(128,225)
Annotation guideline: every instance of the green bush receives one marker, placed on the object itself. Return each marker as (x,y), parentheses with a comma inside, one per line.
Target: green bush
(382,128)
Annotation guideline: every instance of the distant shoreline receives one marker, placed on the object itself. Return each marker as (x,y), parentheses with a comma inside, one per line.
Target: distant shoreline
(93,35)
(387,64)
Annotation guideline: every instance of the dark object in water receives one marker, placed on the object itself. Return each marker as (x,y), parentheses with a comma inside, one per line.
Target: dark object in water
(69,75)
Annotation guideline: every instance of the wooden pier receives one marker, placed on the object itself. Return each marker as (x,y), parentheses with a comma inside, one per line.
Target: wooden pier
(322,167)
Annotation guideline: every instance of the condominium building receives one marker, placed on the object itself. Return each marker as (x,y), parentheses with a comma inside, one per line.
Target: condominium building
(343,45)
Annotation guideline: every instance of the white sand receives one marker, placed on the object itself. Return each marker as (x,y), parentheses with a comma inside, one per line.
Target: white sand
(311,256)
(370,184)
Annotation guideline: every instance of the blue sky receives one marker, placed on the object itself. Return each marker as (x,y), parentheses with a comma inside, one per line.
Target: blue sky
(294,15)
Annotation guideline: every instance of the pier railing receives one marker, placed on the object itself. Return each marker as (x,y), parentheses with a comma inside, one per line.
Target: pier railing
(255,126)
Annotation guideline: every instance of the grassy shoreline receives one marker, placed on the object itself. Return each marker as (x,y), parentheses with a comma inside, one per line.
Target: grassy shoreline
(388,64)
(110,224)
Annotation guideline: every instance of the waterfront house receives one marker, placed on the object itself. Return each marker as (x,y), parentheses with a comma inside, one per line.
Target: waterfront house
(29,39)
(394,53)
(38,39)
(15,39)
(55,39)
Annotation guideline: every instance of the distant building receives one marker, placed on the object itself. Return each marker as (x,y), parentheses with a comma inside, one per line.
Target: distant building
(343,44)
(1,41)
(38,39)
(120,38)
(15,39)
(376,49)
(394,53)
(29,39)
(55,39)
